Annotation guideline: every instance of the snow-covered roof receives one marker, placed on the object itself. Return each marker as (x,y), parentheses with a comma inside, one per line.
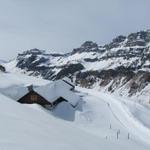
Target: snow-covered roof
(68,81)
(57,89)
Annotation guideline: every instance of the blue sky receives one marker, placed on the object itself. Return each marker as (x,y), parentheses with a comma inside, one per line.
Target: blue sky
(61,25)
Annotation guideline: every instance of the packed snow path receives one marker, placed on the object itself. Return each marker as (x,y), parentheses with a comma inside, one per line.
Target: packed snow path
(110,113)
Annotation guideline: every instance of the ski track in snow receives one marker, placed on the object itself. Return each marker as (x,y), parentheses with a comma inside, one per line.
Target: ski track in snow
(126,119)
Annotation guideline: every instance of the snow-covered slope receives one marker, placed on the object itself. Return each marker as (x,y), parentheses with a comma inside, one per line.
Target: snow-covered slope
(122,66)
(24,128)
(122,114)
(95,124)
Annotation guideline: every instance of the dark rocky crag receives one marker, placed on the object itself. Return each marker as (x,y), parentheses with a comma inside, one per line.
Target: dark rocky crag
(2,68)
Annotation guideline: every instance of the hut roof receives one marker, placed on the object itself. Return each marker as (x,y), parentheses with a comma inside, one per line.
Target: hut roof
(57,89)
(68,81)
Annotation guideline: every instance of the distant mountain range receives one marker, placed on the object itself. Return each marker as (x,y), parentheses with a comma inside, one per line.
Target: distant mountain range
(122,66)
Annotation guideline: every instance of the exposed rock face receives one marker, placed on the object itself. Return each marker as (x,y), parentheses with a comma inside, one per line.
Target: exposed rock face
(115,79)
(69,70)
(86,47)
(2,68)
(124,63)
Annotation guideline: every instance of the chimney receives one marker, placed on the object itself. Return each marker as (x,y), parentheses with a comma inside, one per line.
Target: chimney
(30,88)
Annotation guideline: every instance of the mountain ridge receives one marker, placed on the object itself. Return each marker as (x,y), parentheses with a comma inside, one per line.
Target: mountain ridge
(121,66)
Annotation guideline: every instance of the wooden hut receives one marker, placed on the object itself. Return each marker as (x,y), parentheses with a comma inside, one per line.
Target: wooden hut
(51,94)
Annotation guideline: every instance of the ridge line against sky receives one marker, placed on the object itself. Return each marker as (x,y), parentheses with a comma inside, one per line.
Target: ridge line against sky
(60,26)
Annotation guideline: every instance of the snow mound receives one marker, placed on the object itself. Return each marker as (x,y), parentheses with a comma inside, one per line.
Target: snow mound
(65,111)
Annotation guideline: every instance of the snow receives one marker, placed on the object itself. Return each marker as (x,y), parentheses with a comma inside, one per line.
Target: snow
(68,80)
(31,129)
(122,114)
(93,126)
(8,79)
(148,44)
(34,129)
(67,109)
(15,85)
(58,89)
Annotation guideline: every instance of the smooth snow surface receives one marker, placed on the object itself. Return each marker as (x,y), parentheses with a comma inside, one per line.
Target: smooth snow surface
(15,86)
(94,127)
(67,109)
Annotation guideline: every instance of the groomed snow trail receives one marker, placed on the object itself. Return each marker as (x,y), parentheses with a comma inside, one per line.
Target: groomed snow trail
(125,113)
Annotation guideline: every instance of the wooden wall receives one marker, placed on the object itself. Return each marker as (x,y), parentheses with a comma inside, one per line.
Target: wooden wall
(33,97)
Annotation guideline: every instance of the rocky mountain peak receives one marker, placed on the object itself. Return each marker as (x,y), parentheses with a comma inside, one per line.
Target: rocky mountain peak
(33,51)
(119,39)
(89,45)
(142,35)
(116,42)
(138,39)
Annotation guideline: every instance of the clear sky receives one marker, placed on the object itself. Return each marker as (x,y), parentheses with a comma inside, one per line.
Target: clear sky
(61,25)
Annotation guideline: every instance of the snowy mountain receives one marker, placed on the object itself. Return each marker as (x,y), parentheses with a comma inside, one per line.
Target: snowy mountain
(103,122)
(121,67)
